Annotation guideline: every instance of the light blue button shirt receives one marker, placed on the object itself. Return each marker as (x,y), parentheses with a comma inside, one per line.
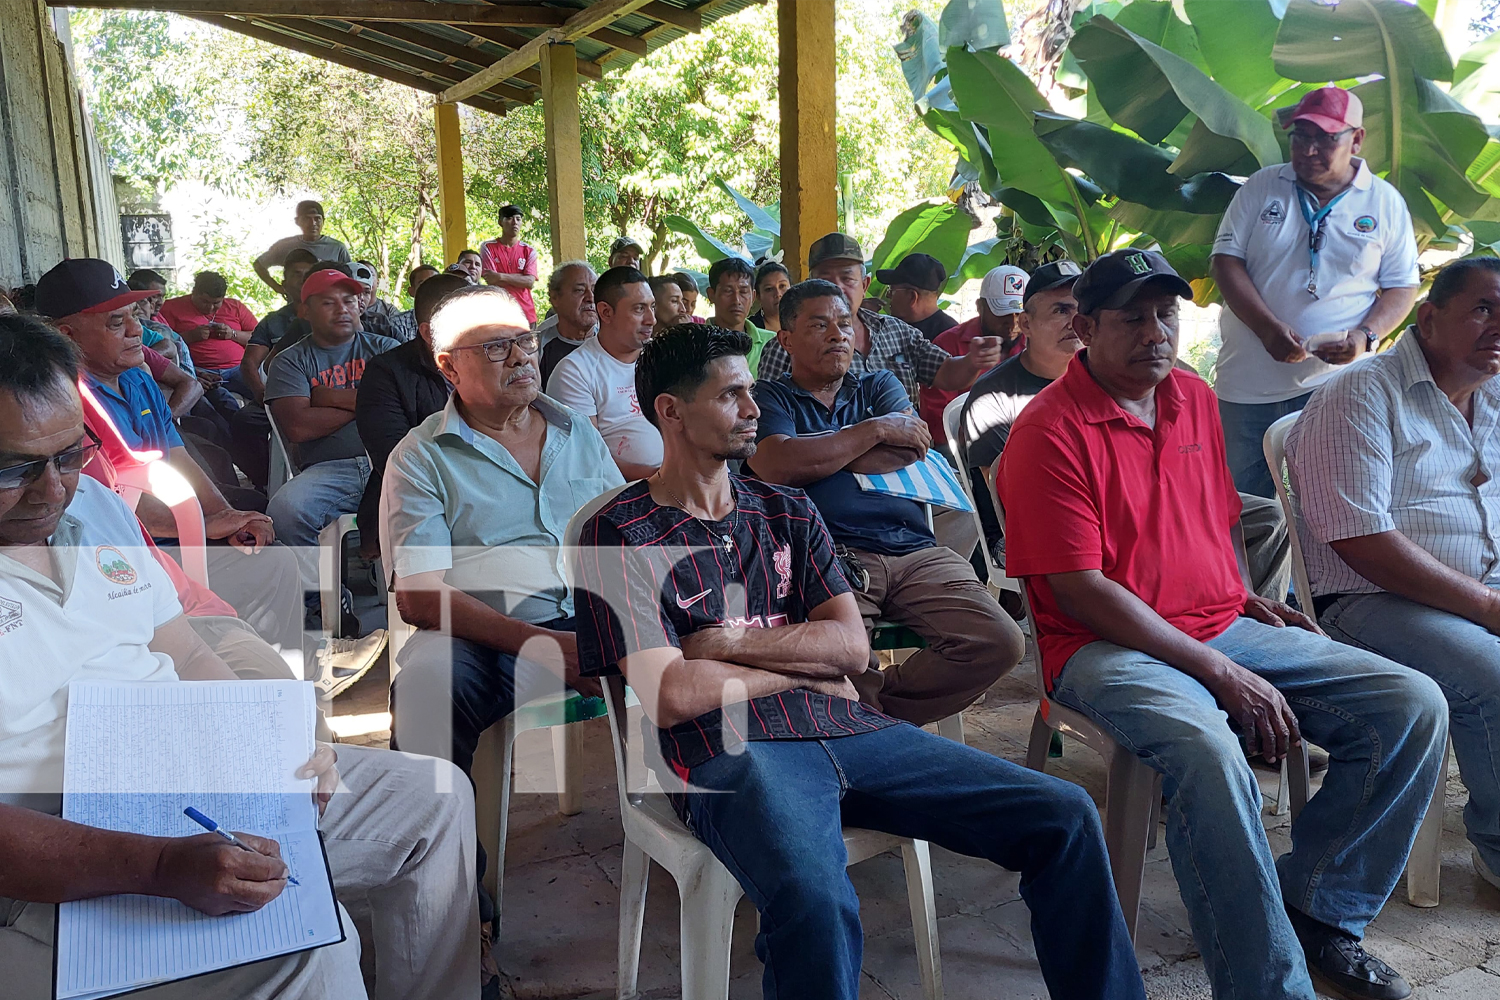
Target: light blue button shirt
(454,500)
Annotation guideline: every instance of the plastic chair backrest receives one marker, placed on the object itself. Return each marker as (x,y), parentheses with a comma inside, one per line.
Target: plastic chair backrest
(1274,444)
(951,414)
(283,467)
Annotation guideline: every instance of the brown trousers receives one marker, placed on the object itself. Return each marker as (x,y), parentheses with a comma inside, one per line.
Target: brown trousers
(971,642)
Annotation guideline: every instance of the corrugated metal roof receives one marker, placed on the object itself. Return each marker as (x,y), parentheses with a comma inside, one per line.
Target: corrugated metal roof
(434,55)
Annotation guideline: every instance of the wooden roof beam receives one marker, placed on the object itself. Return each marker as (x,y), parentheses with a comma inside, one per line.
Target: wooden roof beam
(344,58)
(443,46)
(514,15)
(516,40)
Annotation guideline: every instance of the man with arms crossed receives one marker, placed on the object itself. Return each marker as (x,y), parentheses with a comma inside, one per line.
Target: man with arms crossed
(598,379)
(773,624)
(510,264)
(1393,462)
(400,852)
(1121,516)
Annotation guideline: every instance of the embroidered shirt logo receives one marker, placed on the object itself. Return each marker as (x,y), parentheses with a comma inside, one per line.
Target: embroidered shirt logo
(1365,224)
(10,615)
(1274,214)
(115,567)
(782,561)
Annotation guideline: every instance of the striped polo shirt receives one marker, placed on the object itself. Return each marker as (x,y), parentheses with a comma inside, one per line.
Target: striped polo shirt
(649,575)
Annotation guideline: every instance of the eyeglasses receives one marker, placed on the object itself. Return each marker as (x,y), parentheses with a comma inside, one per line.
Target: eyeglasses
(498,350)
(68,463)
(1318,140)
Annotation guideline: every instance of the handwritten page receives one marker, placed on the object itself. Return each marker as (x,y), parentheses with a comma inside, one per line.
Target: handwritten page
(137,755)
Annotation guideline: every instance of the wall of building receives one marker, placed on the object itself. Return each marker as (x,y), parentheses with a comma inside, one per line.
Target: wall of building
(56,196)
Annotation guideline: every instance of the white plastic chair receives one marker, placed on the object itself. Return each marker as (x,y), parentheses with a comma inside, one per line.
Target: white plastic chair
(951,427)
(1424,866)
(282,468)
(708,893)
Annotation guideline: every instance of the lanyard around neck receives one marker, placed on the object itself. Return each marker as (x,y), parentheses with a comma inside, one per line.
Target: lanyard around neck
(1317,220)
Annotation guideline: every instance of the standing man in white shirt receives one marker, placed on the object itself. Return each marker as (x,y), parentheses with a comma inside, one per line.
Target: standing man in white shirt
(1316,247)
(598,379)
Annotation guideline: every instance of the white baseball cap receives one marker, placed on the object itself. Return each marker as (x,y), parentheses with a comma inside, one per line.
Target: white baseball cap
(1004,289)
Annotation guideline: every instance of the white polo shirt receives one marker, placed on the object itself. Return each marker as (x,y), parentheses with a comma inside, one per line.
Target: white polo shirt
(95,625)
(1367,245)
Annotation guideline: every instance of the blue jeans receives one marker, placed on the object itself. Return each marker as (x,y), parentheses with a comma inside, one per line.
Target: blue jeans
(1464,659)
(310,501)
(1244,441)
(1385,729)
(778,833)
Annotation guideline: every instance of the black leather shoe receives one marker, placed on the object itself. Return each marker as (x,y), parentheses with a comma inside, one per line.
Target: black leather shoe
(1340,965)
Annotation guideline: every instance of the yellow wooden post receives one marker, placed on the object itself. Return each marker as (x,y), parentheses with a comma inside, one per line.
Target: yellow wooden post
(452,201)
(809,142)
(564,142)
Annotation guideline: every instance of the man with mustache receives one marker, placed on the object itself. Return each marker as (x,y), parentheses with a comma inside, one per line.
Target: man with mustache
(1121,516)
(1316,248)
(1394,463)
(819,425)
(472,513)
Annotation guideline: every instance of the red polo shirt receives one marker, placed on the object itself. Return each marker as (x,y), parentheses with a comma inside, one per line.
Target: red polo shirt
(1087,486)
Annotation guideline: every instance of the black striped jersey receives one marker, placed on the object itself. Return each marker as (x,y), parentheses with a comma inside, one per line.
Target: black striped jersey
(649,575)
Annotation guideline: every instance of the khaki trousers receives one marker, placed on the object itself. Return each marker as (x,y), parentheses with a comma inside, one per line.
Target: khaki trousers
(402,856)
(971,641)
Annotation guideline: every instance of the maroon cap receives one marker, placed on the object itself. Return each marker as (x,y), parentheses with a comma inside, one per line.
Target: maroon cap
(1332,109)
(326,280)
(84,285)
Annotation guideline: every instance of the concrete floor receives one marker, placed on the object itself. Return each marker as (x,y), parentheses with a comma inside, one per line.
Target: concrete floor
(561,901)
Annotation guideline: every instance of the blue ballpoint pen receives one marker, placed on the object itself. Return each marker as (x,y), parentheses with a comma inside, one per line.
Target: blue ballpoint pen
(212,827)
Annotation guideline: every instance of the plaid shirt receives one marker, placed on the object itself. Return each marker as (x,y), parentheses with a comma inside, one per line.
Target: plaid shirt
(895,346)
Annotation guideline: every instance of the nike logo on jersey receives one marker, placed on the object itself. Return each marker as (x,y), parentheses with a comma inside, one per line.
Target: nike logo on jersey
(684,605)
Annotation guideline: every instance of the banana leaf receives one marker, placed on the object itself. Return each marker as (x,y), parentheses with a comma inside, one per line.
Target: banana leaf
(1356,38)
(1476,77)
(1150,90)
(1435,141)
(1235,37)
(759,217)
(939,229)
(978,260)
(1157,22)
(709,247)
(973,24)
(920,55)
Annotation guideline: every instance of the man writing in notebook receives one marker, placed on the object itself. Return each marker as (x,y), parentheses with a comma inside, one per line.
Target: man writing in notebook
(81,598)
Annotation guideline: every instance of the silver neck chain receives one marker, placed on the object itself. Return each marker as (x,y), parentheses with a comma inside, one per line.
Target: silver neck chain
(727,540)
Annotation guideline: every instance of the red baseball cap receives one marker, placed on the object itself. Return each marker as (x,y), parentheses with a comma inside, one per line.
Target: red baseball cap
(1332,109)
(83,285)
(326,280)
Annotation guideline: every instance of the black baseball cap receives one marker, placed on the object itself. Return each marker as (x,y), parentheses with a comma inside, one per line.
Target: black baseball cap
(84,285)
(834,246)
(1050,276)
(1111,281)
(917,270)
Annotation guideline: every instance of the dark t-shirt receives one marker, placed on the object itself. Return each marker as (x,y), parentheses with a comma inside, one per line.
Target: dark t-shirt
(304,365)
(935,324)
(650,575)
(993,405)
(557,348)
(274,326)
(861,519)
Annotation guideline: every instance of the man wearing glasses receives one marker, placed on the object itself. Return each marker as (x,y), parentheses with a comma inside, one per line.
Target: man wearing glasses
(1317,262)
(472,513)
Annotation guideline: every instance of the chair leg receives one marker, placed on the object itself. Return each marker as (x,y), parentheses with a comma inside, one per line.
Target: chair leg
(1039,744)
(917,858)
(708,899)
(1283,802)
(492,781)
(633,877)
(1424,866)
(952,727)
(1127,813)
(567,762)
(1155,822)
(1299,779)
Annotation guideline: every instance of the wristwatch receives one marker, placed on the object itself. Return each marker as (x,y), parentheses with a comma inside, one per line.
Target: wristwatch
(1370,339)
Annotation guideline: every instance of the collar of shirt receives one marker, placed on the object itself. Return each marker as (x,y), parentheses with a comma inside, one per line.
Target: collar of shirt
(1362,176)
(847,386)
(1414,370)
(64,539)
(1098,406)
(455,426)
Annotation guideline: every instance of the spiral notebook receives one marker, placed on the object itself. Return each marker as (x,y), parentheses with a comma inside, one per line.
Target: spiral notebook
(137,755)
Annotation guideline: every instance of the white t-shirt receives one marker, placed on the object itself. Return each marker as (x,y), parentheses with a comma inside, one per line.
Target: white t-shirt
(1367,245)
(96,626)
(593,383)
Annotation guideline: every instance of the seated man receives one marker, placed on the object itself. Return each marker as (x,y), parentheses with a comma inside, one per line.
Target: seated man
(819,425)
(1121,515)
(311,390)
(82,296)
(598,379)
(1001,299)
(689,286)
(670,309)
(914,286)
(399,852)
(570,288)
(483,579)
(731,291)
(404,323)
(772,279)
(400,389)
(215,326)
(279,324)
(1393,461)
(775,617)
